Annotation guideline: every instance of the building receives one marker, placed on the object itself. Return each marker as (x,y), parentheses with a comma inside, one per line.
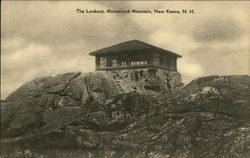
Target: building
(134,54)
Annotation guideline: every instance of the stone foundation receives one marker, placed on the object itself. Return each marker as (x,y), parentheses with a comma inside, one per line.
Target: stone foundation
(145,79)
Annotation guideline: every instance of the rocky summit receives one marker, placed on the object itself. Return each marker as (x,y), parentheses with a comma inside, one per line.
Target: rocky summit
(137,113)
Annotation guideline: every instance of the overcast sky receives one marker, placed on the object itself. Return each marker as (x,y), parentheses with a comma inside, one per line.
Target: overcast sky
(47,38)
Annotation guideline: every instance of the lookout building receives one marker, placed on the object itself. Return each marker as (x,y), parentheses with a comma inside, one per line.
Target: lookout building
(134,54)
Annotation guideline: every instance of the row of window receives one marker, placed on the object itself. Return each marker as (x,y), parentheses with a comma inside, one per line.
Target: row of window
(103,62)
(158,60)
(139,63)
(124,63)
(164,61)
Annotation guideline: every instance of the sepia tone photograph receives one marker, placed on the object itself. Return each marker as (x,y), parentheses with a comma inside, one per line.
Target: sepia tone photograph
(125,79)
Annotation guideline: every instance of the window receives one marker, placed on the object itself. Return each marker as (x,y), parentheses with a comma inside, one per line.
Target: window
(124,63)
(144,62)
(173,63)
(165,61)
(161,60)
(103,62)
(114,63)
(136,63)
(156,59)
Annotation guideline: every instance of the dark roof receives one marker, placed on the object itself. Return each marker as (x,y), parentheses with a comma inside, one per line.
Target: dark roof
(131,45)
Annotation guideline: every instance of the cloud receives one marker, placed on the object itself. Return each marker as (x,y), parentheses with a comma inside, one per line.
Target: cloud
(31,55)
(22,64)
(216,29)
(222,60)
(46,38)
(115,4)
(213,41)
(173,41)
(58,23)
(8,45)
(189,69)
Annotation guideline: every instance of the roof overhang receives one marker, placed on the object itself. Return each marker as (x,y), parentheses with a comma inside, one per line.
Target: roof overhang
(131,51)
(131,47)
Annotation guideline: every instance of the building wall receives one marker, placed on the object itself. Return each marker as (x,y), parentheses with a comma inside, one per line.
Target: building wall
(163,60)
(136,59)
(144,79)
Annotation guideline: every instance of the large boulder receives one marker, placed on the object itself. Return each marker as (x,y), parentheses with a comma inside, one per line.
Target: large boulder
(52,102)
(226,94)
(42,85)
(207,118)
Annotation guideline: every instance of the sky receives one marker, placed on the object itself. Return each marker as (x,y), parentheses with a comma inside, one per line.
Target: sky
(47,38)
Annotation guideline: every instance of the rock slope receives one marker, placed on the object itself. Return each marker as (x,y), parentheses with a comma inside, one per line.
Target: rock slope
(86,115)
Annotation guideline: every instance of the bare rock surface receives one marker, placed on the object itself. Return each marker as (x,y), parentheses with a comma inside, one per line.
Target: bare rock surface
(43,85)
(46,99)
(141,80)
(87,115)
